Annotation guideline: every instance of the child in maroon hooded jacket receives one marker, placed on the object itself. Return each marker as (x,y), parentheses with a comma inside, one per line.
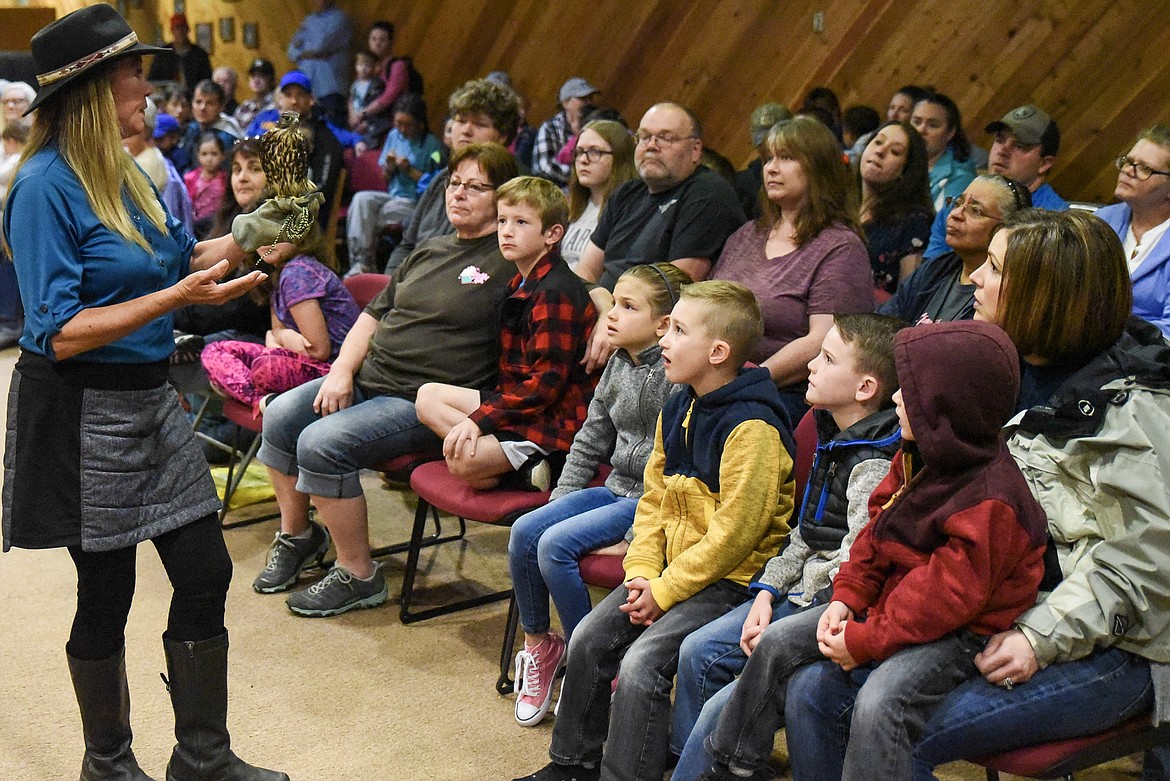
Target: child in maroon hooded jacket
(953,554)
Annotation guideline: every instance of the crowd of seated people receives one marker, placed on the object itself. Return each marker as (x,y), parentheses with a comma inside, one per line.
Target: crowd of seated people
(627,306)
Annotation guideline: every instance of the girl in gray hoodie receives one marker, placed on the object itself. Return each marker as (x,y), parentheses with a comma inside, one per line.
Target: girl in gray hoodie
(546,544)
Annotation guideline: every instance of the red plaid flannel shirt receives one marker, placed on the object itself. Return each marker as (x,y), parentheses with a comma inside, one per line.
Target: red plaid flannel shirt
(543,392)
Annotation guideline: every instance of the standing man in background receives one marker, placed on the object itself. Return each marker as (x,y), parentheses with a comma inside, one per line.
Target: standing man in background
(320,48)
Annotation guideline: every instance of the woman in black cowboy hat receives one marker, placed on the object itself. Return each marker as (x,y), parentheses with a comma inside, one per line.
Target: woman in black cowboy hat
(99,456)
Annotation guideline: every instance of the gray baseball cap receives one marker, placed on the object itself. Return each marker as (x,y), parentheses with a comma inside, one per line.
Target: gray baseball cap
(576,87)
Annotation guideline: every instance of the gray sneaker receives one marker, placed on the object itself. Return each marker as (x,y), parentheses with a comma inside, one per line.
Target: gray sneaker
(287,556)
(339,592)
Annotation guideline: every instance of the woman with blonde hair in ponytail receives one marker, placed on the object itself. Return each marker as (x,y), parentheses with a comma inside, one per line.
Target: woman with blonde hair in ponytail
(99,456)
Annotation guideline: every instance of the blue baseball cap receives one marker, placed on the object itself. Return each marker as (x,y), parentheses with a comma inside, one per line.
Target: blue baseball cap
(298,78)
(164,124)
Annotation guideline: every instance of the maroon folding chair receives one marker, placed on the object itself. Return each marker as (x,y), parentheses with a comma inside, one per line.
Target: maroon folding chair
(438,489)
(1062,758)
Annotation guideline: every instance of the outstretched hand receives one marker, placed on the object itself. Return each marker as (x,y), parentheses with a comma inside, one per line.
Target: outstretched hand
(204,287)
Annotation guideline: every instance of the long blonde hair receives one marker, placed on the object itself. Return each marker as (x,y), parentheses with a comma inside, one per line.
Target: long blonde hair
(82,121)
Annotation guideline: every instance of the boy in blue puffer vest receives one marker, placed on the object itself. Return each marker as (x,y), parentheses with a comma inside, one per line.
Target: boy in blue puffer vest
(851,381)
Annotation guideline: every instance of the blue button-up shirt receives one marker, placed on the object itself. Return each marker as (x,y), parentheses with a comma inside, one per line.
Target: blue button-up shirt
(67,260)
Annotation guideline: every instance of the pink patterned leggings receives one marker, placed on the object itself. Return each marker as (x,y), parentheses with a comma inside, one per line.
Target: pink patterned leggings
(248,372)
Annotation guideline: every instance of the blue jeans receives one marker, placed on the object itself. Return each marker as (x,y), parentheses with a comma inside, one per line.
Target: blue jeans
(635,734)
(863,724)
(890,702)
(328,453)
(1064,700)
(545,545)
(709,660)
(694,760)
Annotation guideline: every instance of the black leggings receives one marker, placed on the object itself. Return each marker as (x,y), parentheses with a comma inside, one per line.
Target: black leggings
(200,570)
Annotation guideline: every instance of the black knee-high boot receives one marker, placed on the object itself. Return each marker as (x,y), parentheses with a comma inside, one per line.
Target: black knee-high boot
(198,686)
(104,700)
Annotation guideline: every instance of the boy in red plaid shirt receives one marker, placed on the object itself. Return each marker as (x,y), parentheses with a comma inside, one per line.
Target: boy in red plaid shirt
(527,424)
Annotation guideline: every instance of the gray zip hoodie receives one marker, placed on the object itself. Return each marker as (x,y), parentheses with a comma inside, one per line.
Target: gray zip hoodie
(623,416)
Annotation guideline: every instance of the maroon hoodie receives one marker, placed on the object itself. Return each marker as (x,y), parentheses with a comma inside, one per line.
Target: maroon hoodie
(956,539)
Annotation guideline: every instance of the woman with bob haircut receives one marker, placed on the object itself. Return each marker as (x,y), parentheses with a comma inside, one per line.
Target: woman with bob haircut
(99,455)
(896,212)
(804,258)
(602,159)
(1093,440)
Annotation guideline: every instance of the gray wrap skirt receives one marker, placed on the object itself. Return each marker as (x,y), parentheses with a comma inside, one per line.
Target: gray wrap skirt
(99,456)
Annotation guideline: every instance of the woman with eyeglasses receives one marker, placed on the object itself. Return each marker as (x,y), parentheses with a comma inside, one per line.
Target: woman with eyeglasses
(603,159)
(804,258)
(1093,443)
(435,322)
(941,289)
(1141,221)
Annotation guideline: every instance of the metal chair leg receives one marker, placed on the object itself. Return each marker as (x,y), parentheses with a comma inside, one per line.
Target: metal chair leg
(408,577)
(235,476)
(504,684)
(433,539)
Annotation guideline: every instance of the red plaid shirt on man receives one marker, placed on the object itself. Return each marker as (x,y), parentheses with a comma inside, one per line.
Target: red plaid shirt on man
(543,391)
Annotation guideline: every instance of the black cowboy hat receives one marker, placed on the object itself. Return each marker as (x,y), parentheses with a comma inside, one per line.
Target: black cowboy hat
(75,43)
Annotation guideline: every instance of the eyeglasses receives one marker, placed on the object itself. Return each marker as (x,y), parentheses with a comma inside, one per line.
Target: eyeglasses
(15,101)
(660,139)
(970,207)
(591,155)
(471,187)
(1139,171)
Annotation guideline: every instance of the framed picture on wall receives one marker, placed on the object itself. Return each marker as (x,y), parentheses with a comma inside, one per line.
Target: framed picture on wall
(227,29)
(180,6)
(205,36)
(251,33)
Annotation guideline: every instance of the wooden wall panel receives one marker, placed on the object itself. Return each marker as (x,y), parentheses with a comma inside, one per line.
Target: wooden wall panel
(17,25)
(1098,66)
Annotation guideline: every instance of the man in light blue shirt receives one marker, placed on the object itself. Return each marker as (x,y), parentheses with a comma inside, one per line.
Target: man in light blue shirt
(1027,141)
(320,48)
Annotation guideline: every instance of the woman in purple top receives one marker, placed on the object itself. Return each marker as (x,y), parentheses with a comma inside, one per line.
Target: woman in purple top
(804,257)
(312,311)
